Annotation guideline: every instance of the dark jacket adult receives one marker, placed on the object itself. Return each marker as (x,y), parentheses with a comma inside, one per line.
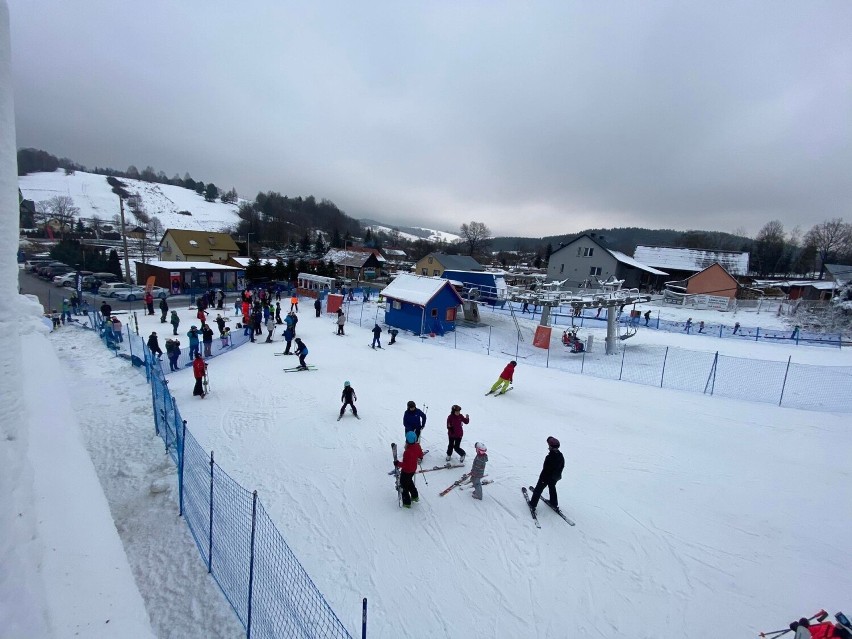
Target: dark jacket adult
(554,463)
(413,419)
(508,371)
(164,306)
(206,334)
(377,330)
(154,344)
(106,310)
(454,424)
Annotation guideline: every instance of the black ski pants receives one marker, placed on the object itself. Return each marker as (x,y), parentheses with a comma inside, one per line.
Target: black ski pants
(455,445)
(409,490)
(539,488)
(348,403)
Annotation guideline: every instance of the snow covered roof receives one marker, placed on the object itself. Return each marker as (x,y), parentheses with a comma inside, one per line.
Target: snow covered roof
(354,259)
(244,261)
(182,265)
(842,273)
(685,259)
(415,289)
(626,259)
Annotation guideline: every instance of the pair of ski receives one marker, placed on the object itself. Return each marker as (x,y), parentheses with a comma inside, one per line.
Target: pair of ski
(277,354)
(463,482)
(429,470)
(339,417)
(500,393)
(546,501)
(299,369)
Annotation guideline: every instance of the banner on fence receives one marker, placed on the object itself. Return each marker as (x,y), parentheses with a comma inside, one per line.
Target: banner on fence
(542,337)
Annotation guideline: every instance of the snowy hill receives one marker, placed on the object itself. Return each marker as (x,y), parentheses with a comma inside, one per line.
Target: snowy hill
(412,233)
(94,197)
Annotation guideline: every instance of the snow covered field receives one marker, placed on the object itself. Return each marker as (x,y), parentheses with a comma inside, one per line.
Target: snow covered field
(691,510)
(94,197)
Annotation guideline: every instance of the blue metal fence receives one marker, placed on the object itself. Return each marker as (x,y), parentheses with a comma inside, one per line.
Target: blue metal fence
(266,585)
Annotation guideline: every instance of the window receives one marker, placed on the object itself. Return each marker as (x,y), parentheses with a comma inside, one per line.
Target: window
(434,312)
(585,251)
(595,270)
(424,271)
(450,315)
(193,243)
(397,305)
(435,272)
(561,268)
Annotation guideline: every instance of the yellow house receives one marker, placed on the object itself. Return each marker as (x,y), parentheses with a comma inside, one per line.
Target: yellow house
(434,264)
(182,245)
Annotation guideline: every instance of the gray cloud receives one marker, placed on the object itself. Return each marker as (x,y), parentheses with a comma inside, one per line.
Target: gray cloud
(536,118)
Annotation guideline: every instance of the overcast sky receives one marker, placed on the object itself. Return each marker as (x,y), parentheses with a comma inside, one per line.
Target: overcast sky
(536,118)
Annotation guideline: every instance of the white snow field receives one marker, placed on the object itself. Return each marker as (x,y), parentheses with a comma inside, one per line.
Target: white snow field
(696,515)
(94,197)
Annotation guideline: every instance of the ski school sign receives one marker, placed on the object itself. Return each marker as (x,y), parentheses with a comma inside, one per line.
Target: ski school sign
(714,302)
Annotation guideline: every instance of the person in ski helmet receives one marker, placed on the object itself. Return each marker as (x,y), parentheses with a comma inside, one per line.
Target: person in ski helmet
(455,432)
(413,419)
(505,379)
(348,398)
(551,472)
(408,467)
(477,471)
(302,352)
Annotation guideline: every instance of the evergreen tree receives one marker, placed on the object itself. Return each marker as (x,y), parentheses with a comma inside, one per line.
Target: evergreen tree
(114,264)
(211,192)
(305,245)
(199,188)
(336,240)
(319,247)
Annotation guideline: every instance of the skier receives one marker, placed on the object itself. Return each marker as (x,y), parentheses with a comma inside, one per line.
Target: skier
(175,320)
(413,420)
(526,307)
(199,368)
(154,346)
(295,321)
(477,471)
(341,320)
(505,379)
(193,342)
(795,332)
(294,303)
(66,310)
(736,327)
(207,339)
(290,321)
(164,309)
(455,432)
(393,333)
(408,466)
(701,326)
(688,324)
(288,337)
(270,328)
(348,398)
(278,313)
(318,306)
(377,331)
(173,353)
(647,317)
(302,352)
(551,472)
(149,303)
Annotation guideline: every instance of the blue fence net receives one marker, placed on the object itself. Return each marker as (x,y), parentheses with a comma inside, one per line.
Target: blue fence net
(266,585)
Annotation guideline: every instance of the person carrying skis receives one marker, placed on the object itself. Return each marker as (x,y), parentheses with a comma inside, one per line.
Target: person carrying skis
(455,432)
(164,309)
(193,342)
(318,306)
(270,328)
(302,352)
(414,420)
(551,472)
(408,466)
(377,332)
(199,367)
(477,471)
(154,346)
(348,397)
(505,379)
(341,320)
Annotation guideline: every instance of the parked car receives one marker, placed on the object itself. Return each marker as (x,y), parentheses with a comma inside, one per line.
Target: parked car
(94,281)
(33,263)
(110,289)
(67,279)
(52,271)
(138,292)
(41,269)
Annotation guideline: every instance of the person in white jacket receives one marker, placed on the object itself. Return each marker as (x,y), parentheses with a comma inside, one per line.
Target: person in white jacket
(270,328)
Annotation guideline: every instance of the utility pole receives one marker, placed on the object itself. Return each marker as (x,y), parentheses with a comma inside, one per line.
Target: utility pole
(124,241)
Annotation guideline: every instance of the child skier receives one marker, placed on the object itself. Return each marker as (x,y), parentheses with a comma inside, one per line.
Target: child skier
(455,432)
(348,397)
(302,352)
(377,332)
(477,471)
(408,466)
(505,379)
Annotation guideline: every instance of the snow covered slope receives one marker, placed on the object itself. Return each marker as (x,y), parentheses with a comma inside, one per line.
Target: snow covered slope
(94,197)
(423,233)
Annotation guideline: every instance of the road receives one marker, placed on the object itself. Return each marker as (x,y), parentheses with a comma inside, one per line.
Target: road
(51,296)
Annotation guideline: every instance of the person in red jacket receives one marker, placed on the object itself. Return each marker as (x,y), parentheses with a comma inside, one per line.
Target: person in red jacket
(149,303)
(408,466)
(199,367)
(505,379)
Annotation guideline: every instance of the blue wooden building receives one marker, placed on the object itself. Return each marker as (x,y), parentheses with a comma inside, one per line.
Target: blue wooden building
(421,304)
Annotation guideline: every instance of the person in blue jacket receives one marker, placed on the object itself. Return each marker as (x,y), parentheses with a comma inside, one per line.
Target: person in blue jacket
(414,419)
(302,352)
(193,342)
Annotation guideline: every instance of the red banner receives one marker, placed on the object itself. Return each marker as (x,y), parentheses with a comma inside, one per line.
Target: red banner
(542,337)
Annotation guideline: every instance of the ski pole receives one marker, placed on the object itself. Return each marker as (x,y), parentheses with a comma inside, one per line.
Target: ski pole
(420,463)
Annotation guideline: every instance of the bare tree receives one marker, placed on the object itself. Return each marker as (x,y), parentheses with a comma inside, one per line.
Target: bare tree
(829,239)
(475,235)
(769,248)
(61,208)
(96,226)
(155,226)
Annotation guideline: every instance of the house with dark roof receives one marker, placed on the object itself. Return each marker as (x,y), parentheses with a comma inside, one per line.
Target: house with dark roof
(184,245)
(586,259)
(355,263)
(681,263)
(435,264)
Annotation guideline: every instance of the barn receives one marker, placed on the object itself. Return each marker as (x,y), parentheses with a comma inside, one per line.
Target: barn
(421,304)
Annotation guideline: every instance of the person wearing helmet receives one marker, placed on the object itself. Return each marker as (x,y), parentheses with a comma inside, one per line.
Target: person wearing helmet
(503,382)
(551,472)
(408,466)
(193,341)
(477,472)
(348,398)
(302,352)
(413,419)
(455,432)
